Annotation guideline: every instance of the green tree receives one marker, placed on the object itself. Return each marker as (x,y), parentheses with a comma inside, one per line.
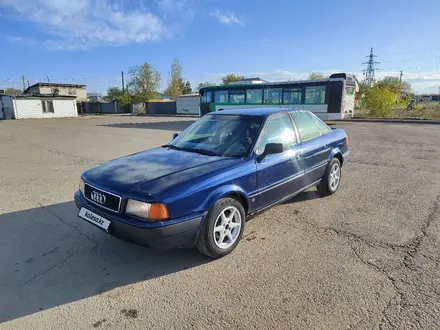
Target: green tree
(316,76)
(380,101)
(204,84)
(395,85)
(232,77)
(13,91)
(118,95)
(176,84)
(187,89)
(144,83)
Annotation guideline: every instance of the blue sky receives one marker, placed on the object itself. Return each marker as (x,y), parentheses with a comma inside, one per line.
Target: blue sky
(92,41)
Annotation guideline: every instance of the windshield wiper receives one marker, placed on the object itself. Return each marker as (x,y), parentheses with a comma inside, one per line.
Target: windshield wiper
(205,152)
(196,150)
(171,146)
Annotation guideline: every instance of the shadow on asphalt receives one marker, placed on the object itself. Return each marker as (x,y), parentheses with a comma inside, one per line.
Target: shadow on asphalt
(174,126)
(305,196)
(50,257)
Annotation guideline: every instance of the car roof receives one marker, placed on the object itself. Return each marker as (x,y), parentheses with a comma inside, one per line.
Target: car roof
(265,112)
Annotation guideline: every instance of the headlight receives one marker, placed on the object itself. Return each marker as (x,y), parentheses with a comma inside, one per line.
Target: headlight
(81,185)
(153,211)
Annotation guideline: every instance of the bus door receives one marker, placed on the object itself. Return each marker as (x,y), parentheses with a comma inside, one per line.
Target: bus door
(335,97)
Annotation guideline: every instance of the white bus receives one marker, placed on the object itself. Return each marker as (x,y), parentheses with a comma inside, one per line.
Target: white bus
(330,99)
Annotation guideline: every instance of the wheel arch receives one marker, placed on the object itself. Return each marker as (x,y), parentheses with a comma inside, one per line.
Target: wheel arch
(336,153)
(231,191)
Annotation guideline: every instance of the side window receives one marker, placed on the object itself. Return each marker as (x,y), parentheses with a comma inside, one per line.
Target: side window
(349,90)
(47,106)
(272,95)
(236,96)
(207,97)
(254,96)
(305,125)
(315,95)
(278,129)
(221,97)
(292,96)
(321,125)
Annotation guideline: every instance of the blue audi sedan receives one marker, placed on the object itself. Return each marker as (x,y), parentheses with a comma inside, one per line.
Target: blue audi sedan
(198,190)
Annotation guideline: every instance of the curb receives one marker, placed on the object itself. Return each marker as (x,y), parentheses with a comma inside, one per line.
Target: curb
(392,121)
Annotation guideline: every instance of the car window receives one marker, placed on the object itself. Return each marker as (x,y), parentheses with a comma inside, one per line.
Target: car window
(305,125)
(225,135)
(278,129)
(321,125)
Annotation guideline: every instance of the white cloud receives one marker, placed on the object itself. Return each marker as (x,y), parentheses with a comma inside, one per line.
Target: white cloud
(70,24)
(226,17)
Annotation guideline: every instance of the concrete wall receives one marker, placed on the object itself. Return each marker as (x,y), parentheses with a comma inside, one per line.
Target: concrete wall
(32,108)
(188,104)
(80,93)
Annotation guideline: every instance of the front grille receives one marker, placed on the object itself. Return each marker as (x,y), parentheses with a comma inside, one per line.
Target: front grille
(102,198)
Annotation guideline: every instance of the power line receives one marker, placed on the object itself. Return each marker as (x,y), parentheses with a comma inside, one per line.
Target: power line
(426,50)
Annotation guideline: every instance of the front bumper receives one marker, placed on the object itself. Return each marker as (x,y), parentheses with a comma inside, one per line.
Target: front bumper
(180,233)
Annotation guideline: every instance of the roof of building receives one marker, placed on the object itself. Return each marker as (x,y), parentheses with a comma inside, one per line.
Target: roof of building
(43,84)
(45,96)
(265,112)
(189,95)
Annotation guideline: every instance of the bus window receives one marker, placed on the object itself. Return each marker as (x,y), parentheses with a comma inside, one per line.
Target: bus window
(349,90)
(254,96)
(221,97)
(292,96)
(315,95)
(272,95)
(236,96)
(207,97)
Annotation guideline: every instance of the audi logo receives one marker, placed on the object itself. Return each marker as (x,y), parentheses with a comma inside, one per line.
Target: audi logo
(97,197)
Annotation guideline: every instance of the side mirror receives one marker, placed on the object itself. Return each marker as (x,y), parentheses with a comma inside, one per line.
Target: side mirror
(175,135)
(272,148)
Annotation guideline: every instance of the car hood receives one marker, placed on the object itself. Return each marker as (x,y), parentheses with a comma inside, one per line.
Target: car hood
(125,174)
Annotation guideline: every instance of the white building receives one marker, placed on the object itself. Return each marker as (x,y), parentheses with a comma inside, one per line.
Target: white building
(188,104)
(24,106)
(41,88)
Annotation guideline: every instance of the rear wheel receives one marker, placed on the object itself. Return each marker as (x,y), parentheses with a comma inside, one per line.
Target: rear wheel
(222,228)
(332,178)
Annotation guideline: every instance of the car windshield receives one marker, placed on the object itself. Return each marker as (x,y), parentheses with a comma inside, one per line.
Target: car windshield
(220,135)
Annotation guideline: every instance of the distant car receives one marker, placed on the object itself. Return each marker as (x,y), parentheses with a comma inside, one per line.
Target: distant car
(199,189)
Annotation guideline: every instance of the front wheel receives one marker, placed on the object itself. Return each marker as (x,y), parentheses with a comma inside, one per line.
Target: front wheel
(332,178)
(222,228)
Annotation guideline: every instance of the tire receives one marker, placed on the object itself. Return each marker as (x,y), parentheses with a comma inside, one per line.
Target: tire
(328,185)
(209,241)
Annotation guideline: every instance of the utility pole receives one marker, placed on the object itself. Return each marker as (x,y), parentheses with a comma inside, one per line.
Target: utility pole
(123,84)
(24,83)
(369,71)
(48,79)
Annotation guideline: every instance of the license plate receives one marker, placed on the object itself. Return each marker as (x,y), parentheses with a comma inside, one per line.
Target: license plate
(94,218)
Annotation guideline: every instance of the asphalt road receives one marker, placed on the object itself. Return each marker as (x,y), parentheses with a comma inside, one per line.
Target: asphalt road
(366,257)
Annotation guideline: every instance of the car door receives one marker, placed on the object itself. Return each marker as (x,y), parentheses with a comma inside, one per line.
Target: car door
(277,174)
(315,152)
